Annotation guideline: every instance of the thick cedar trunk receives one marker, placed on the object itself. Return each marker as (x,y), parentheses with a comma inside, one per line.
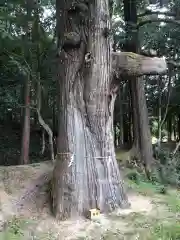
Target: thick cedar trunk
(86,173)
(26,127)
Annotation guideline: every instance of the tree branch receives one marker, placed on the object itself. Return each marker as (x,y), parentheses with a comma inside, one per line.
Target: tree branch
(149,12)
(127,63)
(160,20)
(49,131)
(173,63)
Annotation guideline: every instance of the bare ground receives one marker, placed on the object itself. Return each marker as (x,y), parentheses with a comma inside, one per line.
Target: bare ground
(24,190)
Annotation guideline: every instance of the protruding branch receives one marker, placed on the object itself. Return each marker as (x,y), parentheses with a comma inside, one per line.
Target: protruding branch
(160,20)
(173,63)
(127,63)
(149,12)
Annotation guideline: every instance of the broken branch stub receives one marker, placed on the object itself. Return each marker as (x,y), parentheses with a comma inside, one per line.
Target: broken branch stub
(132,64)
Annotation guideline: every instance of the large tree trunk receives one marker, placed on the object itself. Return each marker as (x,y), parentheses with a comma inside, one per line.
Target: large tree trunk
(86,174)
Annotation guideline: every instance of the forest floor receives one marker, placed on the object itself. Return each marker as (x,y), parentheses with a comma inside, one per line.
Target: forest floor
(154,214)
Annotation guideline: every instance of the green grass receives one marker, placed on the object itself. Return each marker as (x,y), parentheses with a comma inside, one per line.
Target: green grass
(166,232)
(173,202)
(163,227)
(15,229)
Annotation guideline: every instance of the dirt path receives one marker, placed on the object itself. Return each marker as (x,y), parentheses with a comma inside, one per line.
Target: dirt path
(40,223)
(113,224)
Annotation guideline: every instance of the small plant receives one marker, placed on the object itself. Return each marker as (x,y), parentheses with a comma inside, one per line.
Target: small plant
(163,190)
(133,176)
(15,226)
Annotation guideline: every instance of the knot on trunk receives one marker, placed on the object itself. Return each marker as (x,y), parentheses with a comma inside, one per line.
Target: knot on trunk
(78,7)
(72,40)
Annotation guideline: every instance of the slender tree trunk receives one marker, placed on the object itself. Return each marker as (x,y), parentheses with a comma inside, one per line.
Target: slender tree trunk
(86,173)
(43,146)
(144,130)
(127,138)
(159,112)
(174,128)
(26,127)
(42,122)
(142,136)
(26,121)
(121,97)
(169,128)
(178,127)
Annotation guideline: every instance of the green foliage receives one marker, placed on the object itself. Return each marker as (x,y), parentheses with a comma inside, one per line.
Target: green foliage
(173,202)
(166,171)
(13,230)
(165,232)
(134,176)
(168,168)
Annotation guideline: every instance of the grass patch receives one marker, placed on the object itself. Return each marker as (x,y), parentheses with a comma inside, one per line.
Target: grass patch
(146,188)
(143,227)
(173,202)
(15,229)
(165,232)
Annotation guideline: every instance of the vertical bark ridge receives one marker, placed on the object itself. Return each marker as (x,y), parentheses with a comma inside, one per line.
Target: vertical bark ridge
(89,176)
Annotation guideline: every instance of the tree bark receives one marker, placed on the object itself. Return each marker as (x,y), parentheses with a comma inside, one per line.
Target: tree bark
(175,128)
(86,173)
(144,130)
(159,111)
(142,136)
(178,127)
(43,146)
(26,121)
(26,127)
(160,120)
(121,98)
(169,128)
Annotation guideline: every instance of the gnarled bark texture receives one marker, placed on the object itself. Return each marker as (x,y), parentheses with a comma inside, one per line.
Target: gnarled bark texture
(86,173)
